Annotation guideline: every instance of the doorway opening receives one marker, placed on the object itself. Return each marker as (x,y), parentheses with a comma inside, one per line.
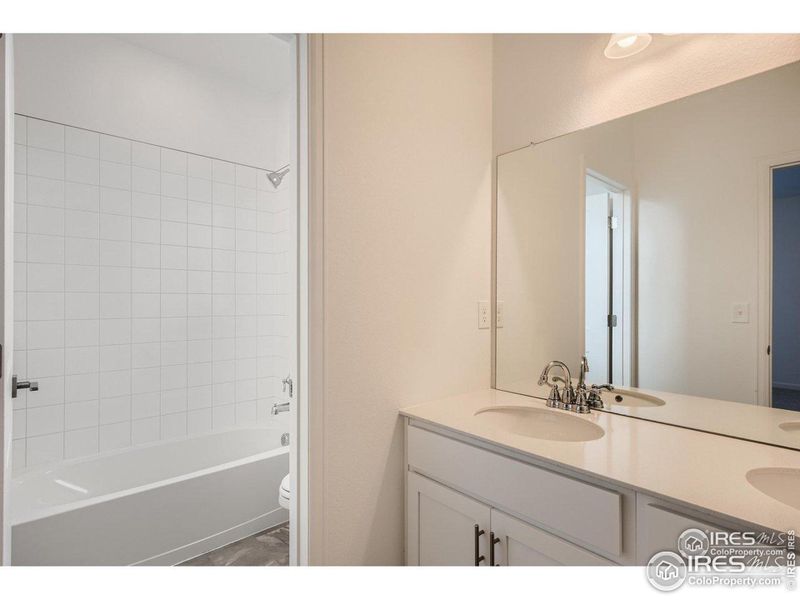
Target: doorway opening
(607,314)
(785,346)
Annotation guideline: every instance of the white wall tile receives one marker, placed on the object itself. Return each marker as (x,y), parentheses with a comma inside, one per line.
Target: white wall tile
(81,305)
(81,196)
(115,149)
(146,405)
(199,166)
(81,361)
(115,383)
(45,278)
(81,169)
(115,410)
(45,306)
(45,220)
(82,142)
(173,426)
(224,171)
(82,224)
(146,230)
(20,129)
(144,180)
(173,161)
(115,227)
(199,190)
(145,431)
(114,436)
(82,442)
(47,135)
(79,251)
(114,175)
(115,201)
(124,252)
(80,415)
(45,334)
(44,192)
(45,420)
(115,280)
(81,332)
(44,449)
(145,155)
(81,388)
(20,159)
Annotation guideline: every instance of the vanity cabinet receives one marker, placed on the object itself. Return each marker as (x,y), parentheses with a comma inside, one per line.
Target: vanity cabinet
(447,528)
(472,503)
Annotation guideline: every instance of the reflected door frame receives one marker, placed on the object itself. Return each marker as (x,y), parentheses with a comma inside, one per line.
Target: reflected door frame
(765,243)
(629,308)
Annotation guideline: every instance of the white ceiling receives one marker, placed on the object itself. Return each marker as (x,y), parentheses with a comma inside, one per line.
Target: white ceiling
(256,60)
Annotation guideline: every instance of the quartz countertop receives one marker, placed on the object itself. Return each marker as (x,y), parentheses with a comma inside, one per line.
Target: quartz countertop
(701,469)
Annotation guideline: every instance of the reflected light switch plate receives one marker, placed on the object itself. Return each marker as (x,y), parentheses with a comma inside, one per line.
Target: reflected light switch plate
(483,315)
(741,313)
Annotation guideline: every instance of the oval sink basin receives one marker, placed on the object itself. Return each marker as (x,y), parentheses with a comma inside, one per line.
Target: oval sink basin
(632,399)
(791,426)
(545,424)
(782,484)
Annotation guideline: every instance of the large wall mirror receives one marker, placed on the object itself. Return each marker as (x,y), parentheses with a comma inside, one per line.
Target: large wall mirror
(665,247)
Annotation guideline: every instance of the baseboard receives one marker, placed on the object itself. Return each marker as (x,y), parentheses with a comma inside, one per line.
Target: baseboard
(218,540)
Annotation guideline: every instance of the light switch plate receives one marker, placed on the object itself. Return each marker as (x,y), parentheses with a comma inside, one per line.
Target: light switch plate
(500,315)
(483,315)
(741,313)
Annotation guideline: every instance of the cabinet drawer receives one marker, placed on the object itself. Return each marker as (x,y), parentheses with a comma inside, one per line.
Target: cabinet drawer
(658,526)
(584,512)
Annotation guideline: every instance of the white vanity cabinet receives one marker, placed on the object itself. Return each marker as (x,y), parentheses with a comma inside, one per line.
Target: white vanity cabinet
(539,516)
(472,503)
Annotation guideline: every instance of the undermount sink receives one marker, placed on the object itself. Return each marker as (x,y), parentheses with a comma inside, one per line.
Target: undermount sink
(791,426)
(631,399)
(782,484)
(542,423)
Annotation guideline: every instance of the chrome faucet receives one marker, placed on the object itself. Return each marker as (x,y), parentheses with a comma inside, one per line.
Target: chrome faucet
(555,399)
(581,399)
(279,407)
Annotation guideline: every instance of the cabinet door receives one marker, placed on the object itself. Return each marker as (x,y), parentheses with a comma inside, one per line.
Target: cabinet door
(521,544)
(441,525)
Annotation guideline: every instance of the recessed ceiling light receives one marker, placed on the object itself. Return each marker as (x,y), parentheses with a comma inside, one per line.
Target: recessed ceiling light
(623,45)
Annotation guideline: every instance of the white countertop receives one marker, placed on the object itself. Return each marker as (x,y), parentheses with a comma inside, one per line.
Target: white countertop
(737,419)
(701,469)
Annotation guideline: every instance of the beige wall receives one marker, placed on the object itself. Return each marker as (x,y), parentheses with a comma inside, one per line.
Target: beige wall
(548,85)
(407,225)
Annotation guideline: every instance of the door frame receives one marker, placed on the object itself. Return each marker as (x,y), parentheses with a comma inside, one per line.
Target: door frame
(764,310)
(6,299)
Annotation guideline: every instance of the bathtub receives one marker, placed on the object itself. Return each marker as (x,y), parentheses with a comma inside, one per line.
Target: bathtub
(159,504)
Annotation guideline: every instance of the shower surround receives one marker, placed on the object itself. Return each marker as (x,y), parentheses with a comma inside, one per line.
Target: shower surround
(151,293)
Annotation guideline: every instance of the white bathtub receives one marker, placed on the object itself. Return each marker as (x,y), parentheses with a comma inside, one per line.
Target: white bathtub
(159,504)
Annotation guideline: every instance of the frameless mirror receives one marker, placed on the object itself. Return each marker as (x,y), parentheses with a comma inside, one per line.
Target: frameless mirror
(665,247)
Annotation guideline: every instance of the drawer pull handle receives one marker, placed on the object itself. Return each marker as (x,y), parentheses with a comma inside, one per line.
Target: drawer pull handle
(479,558)
(492,541)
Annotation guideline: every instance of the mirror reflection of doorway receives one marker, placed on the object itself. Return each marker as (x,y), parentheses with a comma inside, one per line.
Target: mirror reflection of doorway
(603,281)
(786,287)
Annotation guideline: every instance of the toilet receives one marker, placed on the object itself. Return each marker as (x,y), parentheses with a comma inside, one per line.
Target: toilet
(284,494)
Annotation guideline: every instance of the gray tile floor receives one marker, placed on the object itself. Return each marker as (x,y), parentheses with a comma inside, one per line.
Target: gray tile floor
(268,548)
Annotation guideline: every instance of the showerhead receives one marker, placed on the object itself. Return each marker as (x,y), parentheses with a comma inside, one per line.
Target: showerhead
(275,177)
